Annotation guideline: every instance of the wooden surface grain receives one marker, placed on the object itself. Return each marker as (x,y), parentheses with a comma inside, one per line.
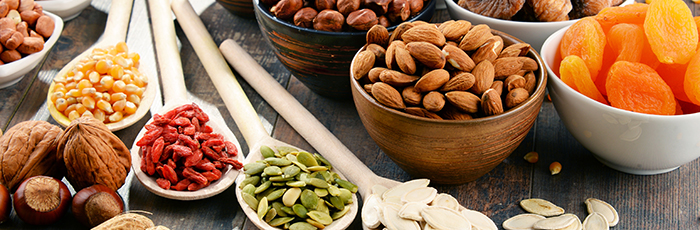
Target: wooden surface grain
(666,201)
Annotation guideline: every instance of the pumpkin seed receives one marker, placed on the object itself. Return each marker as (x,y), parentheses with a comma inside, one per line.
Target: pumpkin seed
(540,206)
(307,159)
(447,201)
(574,226)
(337,203)
(333,190)
(279,184)
(273,171)
(271,214)
(318,183)
(345,196)
(315,223)
(280,221)
(254,180)
(423,195)
(288,210)
(411,211)
(279,178)
(254,168)
(321,192)
(249,188)
(302,226)
(595,221)
(326,175)
(291,171)
(392,221)
(309,199)
(290,196)
(303,177)
(266,151)
(250,200)
(602,207)
(278,161)
(522,221)
(301,166)
(300,210)
(402,189)
(370,211)
(264,194)
(296,184)
(291,157)
(378,189)
(286,149)
(479,220)
(341,213)
(323,207)
(556,222)
(317,168)
(347,185)
(278,208)
(321,217)
(276,194)
(393,200)
(262,208)
(445,218)
(323,160)
(264,186)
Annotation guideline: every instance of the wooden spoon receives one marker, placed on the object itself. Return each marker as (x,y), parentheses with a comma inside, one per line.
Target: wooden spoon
(238,105)
(302,120)
(175,94)
(115,31)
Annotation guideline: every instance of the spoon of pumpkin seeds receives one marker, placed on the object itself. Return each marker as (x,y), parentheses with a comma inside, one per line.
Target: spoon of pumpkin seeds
(282,185)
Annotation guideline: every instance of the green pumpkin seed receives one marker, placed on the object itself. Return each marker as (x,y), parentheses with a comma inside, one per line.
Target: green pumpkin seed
(317,168)
(254,180)
(296,184)
(321,217)
(273,171)
(323,207)
(341,213)
(307,159)
(264,194)
(315,223)
(277,161)
(302,226)
(263,187)
(291,157)
(249,188)
(333,190)
(266,151)
(303,177)
(250,200)
(262,208)
(309,199)
(280,178)
(321,192)
(284,150)
(254,168)
(280,221)
(278,208)
(276,194)
(326,176)
(318,183)
(301,166)
(347,185)
(279,184)
(322,160)
(291,171)
(337,202)
(272,213)
(291,196)
(300,210)
(335,176)
(288,210)
(345,196)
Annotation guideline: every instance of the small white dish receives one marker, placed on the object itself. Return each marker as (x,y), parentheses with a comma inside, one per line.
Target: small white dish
(630,142)
(66,9)
(11,73)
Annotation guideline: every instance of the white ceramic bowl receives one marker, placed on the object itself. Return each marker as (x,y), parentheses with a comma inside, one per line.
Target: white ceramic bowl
(66,9)
(533,33)
(12,72)
(627,141)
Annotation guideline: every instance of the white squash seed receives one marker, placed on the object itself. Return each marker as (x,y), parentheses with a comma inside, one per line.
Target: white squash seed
(445,218)
(595,221)
(422,195)
(411,211)
(576,225)
(556,222)
(524,221)
(478,220)
(447,201)
(602,207)
(392,221)
(378,189)
(400,190)
(541,206)
(370,211)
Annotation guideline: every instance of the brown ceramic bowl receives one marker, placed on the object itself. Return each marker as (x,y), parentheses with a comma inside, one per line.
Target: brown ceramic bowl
(447,151)
(241,8)
(319,59)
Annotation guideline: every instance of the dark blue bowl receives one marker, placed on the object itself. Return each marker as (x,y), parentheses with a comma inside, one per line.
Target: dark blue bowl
(319,59)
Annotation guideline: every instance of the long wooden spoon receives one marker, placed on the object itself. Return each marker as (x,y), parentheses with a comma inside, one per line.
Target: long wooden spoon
(115,31)
(175,94)
(238,104)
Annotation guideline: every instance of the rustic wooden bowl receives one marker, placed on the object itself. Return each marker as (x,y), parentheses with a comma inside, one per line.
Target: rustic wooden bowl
(242,8)
(445,151)
(319,59)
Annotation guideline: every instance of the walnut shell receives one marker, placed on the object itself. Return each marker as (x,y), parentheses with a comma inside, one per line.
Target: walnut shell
(29,149)
(93,154)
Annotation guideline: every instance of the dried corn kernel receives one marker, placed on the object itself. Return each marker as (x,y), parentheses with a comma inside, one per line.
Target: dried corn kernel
(80,108)
(61,104)
(88,113)
(94,77)
(88,102)
(73,115)
(99,115)
(119,86)
(56,95)
(555,168)
(532,157)
(134,99)
(116,116)
(85,83)
(119,105)
(104,106)
(118,97)
(130,108)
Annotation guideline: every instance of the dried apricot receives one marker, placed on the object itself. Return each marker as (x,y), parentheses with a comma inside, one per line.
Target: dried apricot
(691,83)
(633,13)
(671,31)
(585,38)
(637,87)
(627,41)
(673,75)
(573,67)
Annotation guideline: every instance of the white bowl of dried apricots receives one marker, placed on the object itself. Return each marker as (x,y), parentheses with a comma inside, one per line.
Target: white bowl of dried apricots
(640,113)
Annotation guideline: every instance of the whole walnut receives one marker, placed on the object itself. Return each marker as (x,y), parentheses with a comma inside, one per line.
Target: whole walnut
(29,149)
(93,154)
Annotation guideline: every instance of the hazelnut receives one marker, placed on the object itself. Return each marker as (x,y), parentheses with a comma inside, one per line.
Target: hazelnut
(378,6)
(399,10)
(329,20)
(346,7)
(325,4)
(4,9)
(416,6)
(362,19)
(384,21)
(285,9)
(305,17)
(8,56)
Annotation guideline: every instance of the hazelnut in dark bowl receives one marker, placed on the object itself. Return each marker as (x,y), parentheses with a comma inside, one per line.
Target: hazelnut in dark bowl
(320,58)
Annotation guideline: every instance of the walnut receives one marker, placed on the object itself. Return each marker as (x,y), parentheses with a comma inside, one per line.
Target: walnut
(93,154)
(29,149)
(551,10)
(503,9)
(583,8)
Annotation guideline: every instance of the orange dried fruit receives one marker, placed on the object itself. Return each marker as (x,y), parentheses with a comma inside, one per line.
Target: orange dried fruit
(674,75)
(697,23)
(573,67)
(671,31)
(637,87)
(627,41)
(691,82)
(586,39)
(632,13)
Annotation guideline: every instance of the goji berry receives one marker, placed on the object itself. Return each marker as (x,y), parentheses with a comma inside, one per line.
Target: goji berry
(210,153)
(189,130)
(180,121)
(211,176)
(163,183)
(157,149)
(171,114)
(160,120)
(206,129)
(231,149)
(213,142)
(149,137)
(196,186)
(195,123)
(233,162)
(182,185)
(182,150)
(194,176)
(187,140)
(169,173)
(193,159)
(205,166)
(218,164)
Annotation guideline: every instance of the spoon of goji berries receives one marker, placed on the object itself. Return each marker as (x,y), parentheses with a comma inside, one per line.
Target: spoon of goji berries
(185,151)
(269,213)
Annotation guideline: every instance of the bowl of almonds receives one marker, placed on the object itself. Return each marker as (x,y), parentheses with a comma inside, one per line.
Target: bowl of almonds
(447,102)
(317,43)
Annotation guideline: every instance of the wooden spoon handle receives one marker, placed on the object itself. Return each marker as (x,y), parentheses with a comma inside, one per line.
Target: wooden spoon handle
(231,92)
(117,22)
(169,61)
(299,117)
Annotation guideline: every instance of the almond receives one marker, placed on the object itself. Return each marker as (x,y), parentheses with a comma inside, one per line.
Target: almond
(389,57)
(451,113)
(491,103)
(476,37)
(461,81)
(464,101)
(529,64)
(515,50)
(411,97)
(424,33)
(404,60)
(400,29)
(368,88)
(374,73)
(530,82)
(453,30)
(421,112)
(516,97)
(387,95)
(378,34)
(484,76)
(506,66)
(458,58)
(432,80)
(514,81)
(498,86)
(427,53)
(396,78)
(434,101)
(490,50)
(378,50)
(362,64)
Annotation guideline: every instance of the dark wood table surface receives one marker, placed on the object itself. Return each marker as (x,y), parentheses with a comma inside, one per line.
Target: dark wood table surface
(666,201)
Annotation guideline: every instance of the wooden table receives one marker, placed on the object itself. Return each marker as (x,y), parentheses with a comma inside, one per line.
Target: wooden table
(666,201)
